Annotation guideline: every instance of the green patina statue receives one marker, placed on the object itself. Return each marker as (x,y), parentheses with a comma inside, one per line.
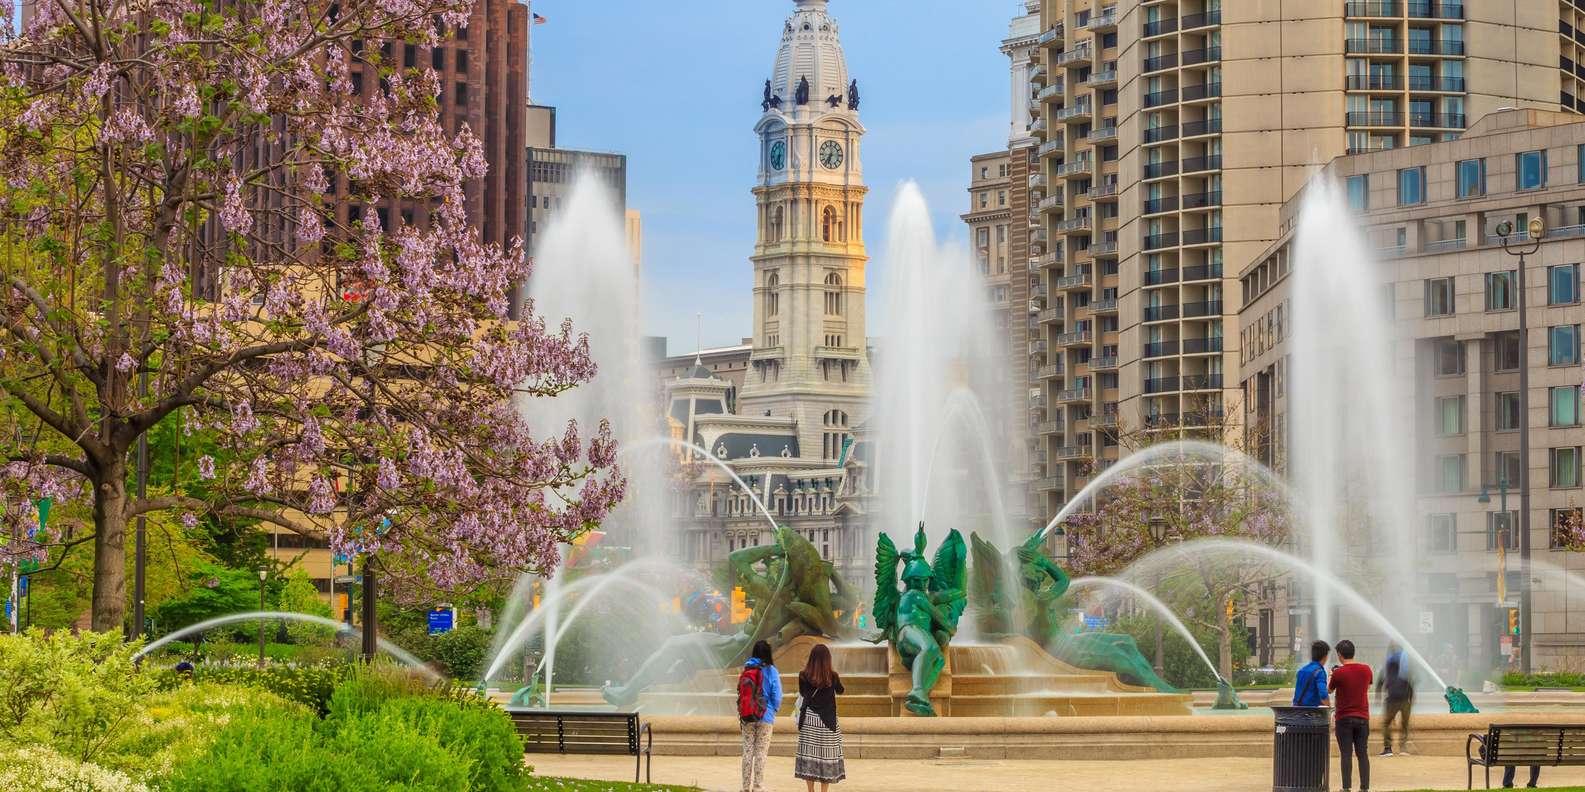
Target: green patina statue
(920,620)
(794,592)
(1457,702)
(1030,587)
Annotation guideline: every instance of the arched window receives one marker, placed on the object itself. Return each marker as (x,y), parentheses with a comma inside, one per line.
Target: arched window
(833,294)
(836,433)
(772,295)
(831,226)
(776,223)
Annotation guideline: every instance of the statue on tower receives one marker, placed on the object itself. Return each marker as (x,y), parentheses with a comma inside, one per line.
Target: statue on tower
(853,95)
(802,96)
(765,103)
(920,620)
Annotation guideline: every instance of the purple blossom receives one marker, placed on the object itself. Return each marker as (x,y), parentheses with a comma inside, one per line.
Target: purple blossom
(206,467)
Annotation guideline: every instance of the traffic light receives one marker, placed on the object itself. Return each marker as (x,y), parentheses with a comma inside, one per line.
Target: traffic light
(1513,621)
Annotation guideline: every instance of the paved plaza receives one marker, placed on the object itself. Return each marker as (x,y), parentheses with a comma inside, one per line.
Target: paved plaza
(720,774)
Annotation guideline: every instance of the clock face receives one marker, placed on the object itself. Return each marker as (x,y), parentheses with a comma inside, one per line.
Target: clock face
(778,155)
(831,154)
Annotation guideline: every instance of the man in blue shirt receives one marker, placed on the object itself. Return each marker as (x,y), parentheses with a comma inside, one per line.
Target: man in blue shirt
(1309,686)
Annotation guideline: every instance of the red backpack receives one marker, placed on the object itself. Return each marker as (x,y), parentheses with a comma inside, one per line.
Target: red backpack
(751,702)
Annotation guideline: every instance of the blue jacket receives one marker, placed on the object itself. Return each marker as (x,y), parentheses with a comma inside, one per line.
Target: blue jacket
(1309,686)
(772,688)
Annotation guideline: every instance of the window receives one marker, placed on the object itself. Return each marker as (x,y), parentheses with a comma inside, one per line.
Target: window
(1449,357)
(1563,406)
(1359,193)
(1508,468)
(1471,178)
(1565,467)
(772,296)
(1450,473)
(1562,284)
(1562,345)
(1502,529)
(833,295)
(983,237)
(1500,290)
(1450,416)
(1531,168)
(1507,351)
(1441,533)
(836,434)
(1509,412)
(1566,527)
(437,58)
(1001,197)
(1411,186)
(831,226)
(461,92)
(1439,297)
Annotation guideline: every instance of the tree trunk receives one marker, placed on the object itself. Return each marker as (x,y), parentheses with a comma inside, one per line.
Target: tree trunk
(110,552)
(1224,637)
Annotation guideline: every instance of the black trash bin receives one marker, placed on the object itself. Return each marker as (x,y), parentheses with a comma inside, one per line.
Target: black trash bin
(1301,749)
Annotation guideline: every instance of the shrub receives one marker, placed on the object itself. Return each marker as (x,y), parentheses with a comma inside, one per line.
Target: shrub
(38,769)
(181,722)
(461,651)
(479,731)
(72,693)
(309,685)
(1557,679)
(267,751)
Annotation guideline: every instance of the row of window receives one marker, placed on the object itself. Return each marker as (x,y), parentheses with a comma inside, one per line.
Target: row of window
(1563,410)
(1563,349)
(1530,169)
(1502,290)
(1502,530)
(1563,469)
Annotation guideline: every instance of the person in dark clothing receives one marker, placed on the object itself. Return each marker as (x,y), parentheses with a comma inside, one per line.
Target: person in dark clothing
(819,755)
(1508,772)
(1309,686)
(1351,683)
(1400,700)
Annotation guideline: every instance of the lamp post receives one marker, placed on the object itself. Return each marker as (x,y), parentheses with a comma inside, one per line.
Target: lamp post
(263,572)
(1536,229)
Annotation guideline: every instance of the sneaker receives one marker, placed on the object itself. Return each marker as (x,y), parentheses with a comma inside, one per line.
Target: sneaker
(1386,753)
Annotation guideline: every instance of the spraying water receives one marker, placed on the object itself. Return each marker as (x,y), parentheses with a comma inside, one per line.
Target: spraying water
(1155,604)
(1351,459)
(392,649)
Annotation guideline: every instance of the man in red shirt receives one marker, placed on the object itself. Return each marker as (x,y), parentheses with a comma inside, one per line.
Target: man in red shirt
(1350,686)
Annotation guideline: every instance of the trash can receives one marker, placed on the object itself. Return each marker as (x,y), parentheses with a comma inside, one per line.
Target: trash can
(1301,749)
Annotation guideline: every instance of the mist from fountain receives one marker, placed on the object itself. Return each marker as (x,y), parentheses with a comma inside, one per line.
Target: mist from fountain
(1155,604)
(1352,440)
(389,648)
(934,378)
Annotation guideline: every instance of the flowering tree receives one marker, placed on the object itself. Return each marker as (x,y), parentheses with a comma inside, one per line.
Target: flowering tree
(1179,498)
(170,253)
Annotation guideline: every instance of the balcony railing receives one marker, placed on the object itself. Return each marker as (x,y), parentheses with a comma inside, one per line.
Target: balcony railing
(1203,55)
(1160,98)
(1079,280)
(1158,205)
(1159,241)
(1050,91)
(1202,236)
(1160,62)
(1192,21)
(1156,170)
(1160,313)
(1101,190)
(1161,276)
(1425,9)
(1437,120)
(1442,245)
(1075,337)
(1037,181)
(1197,164)
(1161,27)
(1103,248)
(1103,20)
(1108,305)
(1103,363)
(1080,165)
(1102,77)
(1102,133)
(1202,200)
(1072,224)
(1205,308)
(1075,111)
(1073,394)
(1161,349)
(1202,272)
(1374,46)
(1161,385)
(1210,126)
(1208,90)
(1161,133)
(1372,8)
(1073,56)
(1436,47)
(1375,82)
(1052,202)
(1048,372)
(1055,144)
(1369,118)
(1052,35)
(1420,82)
(1202,381)
(1196,346)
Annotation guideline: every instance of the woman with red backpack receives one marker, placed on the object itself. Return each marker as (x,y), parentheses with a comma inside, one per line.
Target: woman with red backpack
(758,697)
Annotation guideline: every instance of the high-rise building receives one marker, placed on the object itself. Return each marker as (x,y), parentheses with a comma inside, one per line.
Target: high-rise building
(1431,214)
(1170,134)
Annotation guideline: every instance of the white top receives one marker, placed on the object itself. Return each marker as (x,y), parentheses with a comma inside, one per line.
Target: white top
(811,48)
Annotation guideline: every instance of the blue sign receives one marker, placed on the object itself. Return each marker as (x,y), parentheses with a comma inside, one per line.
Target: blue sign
(22,586)
(1096,623)
(439,621)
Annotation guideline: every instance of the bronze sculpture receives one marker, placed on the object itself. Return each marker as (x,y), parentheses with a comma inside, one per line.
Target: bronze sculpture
(920,620)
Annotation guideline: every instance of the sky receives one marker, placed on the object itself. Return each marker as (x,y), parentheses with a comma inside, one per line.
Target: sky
(676,86)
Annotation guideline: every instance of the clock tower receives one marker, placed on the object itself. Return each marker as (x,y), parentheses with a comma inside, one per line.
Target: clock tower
(809,361)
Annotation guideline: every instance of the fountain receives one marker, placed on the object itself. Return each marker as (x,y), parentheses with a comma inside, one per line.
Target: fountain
(405,657)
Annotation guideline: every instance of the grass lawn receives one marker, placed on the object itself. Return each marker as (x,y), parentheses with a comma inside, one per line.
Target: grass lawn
(552,784)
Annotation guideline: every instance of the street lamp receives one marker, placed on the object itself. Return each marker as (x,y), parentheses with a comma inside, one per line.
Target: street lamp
(1537,229)
(263,572)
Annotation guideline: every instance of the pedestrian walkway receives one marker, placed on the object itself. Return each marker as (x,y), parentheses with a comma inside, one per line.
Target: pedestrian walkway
(720,774)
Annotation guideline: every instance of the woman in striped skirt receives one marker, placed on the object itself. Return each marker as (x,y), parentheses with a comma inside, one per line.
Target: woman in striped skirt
(819,738)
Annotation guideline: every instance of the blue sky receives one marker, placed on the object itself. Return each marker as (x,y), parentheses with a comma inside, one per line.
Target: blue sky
(675,85)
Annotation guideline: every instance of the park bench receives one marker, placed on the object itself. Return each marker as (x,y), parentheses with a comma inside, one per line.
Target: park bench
(572,732)
(1522,745)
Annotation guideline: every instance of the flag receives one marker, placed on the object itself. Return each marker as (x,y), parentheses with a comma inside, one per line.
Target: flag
(539,20)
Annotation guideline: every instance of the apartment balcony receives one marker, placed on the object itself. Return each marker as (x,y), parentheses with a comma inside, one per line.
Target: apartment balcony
(1103,21)
(1037,181)
(1450,47)
(1210,126)
(1160,313)
(1159,241)
(1373,9)
(1048,260)
(1374,46)
(1107,419)
(1052,35)
(1161,385)
(1160,98)
(1426,84)
(1038,235)
(1037,400)
(1374,82)
(1080,165)
(1053,426)
(1037,346)
(1051,202)
(1159,421)
(1195,57)
(1106,248)
(1426,9)
(1194,93)
(1047,484)
(1444,245)
(1202,236)
(1108,305)
(1080,280)
(1194,382)
(1073,58)
(1168,203)
(1076,112)
(1161,349)
(1079,394)
(1202,200)
(1161,62)
(1051,146)
(1099,134)
(1050,92)
(1201,272)
(1070,453)
(1107,77)
(1196,21)
(1373,118)
(1205,308)
(1161,276)
(1074,224)
(1161,27)
(1108,363)
(1101,190)
(1037,126)
(1049,372)
(1158,170)
(1049,315)
(1436,120)
(1201,164)
(1201,346)
(1036,71)
(1073,339)
(1161,134)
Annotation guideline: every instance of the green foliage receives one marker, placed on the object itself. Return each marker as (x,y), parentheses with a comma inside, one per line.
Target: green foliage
(300,596)
(311,686)
(1556,679)
(181,721)
(39,769)
(260,752)
(478,732)
(553,784)
(73,693)
(461,652)
(212,591)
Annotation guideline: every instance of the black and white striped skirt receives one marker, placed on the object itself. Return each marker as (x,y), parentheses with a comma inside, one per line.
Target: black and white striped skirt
(819,751)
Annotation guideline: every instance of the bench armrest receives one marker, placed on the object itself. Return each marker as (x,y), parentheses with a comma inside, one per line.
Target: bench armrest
(1479,759)
(646,738)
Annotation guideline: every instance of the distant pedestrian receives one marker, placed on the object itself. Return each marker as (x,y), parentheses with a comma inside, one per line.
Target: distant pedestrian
(758,697)
(1309,687)
(1351,681)
(819,736)
(1400,700)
